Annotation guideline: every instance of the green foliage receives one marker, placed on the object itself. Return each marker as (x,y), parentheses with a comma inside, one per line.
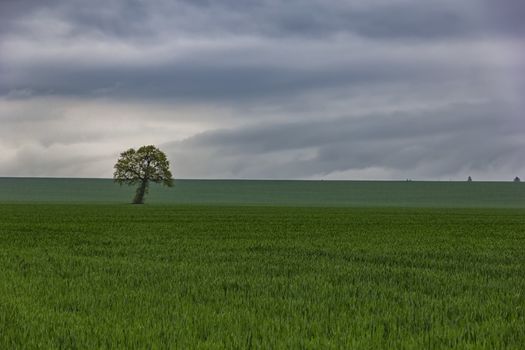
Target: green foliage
(145,165)
(118,276)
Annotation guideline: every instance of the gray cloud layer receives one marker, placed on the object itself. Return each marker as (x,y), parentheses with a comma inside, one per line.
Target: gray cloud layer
(264,88)
(446,141)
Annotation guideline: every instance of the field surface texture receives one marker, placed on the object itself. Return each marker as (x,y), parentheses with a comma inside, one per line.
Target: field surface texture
(122,276)
(287,193)
(310,270)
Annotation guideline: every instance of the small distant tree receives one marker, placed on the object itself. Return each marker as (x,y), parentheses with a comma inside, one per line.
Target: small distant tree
(517,179)
(469,179)
(140,167)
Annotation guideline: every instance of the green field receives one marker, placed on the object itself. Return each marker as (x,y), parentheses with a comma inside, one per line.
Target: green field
(287,193)
(333,273)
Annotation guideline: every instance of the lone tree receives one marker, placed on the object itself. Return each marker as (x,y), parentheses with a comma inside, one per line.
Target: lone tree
(140,167)
(517,179)
(469,179)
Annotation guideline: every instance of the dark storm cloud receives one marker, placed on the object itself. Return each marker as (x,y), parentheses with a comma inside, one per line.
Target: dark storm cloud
(444,141)
(378,19)
(187,79)
(220,72)
(505,16)
(426,86)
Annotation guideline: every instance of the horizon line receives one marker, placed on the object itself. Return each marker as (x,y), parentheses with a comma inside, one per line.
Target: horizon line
(253,179)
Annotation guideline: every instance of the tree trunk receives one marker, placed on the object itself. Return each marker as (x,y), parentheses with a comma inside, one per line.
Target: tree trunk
(141,190)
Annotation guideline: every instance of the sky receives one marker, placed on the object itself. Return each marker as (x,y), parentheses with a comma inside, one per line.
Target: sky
(265,89)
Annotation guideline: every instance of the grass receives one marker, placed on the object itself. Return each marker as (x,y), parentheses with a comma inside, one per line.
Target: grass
(285,193)
(185,276)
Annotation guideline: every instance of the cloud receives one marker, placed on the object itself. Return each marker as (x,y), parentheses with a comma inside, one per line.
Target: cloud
(264,88)
(138,20)
(437,143)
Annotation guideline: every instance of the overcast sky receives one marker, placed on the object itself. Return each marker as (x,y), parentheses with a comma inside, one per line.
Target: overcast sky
(296,89)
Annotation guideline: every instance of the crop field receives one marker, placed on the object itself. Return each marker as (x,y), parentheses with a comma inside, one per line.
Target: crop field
(274,193)
(96,276)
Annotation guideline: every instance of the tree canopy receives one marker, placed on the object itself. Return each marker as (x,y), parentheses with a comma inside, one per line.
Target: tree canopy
(142,166)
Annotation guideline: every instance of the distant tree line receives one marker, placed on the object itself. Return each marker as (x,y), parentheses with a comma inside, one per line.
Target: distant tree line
(516,179)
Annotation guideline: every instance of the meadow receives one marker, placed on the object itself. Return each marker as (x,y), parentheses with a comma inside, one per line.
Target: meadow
(106,275)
